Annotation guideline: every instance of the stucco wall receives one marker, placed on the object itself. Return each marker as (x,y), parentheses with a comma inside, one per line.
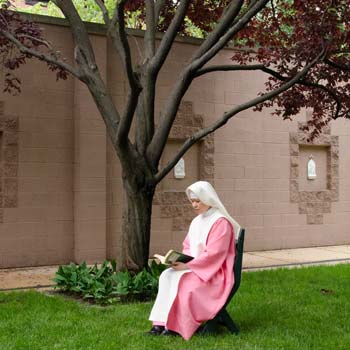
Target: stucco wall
(68,201)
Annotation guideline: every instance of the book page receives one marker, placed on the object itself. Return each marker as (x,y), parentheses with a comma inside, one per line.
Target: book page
(161,258)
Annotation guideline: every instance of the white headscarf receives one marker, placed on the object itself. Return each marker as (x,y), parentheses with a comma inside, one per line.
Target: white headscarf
(205,192)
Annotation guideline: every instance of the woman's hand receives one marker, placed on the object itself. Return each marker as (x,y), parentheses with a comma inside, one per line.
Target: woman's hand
(179,266)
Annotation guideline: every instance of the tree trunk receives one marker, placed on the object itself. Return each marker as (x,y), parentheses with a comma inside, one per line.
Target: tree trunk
(136,229)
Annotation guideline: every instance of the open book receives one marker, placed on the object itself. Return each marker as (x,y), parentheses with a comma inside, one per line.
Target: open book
(173,256)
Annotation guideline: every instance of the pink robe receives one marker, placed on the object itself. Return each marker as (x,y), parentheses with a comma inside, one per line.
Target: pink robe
(203,291)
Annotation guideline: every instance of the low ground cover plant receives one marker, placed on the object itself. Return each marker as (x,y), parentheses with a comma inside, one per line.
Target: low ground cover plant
(105,284)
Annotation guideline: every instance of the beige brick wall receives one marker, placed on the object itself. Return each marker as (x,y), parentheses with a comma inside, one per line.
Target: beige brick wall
(69,190)
(38,230)
(90,167)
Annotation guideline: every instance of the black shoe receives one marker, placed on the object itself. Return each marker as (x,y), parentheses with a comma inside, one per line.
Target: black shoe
(168,332)
(156,330)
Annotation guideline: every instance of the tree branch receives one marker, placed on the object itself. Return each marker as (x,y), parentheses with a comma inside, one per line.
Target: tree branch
(102,6)
(275,74)
(85,58)
(150,35)
(145,115)
(41,56)
(152,66)
(201,60)
(340,52)
(336,65)
(238,67)
(158,142)
(228,115)
(41,41)
(227,67)
(229,15)
(169,37)
(127,117)
(84,53)
(117,33)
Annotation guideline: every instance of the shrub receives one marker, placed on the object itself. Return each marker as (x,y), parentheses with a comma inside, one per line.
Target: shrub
(105,285)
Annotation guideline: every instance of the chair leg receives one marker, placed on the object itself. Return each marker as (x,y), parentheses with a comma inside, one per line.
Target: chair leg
(210,327)
(227,321)
(222,318)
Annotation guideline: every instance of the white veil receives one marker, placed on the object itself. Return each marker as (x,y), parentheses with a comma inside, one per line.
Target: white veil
(206,194)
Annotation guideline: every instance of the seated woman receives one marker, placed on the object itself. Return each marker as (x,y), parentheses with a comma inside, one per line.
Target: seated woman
(192,293)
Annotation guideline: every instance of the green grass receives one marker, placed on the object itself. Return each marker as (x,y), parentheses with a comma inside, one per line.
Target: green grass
(275,309)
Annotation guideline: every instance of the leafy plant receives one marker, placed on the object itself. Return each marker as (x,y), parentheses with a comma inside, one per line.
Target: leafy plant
(105,285)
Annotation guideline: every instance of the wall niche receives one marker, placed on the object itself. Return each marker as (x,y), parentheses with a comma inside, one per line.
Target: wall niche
(321,156)
(314,197)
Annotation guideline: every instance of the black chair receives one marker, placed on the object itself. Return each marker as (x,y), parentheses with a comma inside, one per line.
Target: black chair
(222,317)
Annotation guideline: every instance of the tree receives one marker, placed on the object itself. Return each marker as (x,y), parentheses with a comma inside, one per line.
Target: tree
(302,46)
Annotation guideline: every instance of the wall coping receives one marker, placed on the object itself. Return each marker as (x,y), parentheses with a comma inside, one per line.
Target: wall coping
(100,29)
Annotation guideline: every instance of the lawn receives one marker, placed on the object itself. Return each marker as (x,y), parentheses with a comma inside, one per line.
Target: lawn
(305,308)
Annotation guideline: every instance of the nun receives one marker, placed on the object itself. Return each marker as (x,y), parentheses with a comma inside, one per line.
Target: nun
(191,293)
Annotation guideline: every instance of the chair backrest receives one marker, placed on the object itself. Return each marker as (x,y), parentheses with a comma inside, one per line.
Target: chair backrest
(237,267)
